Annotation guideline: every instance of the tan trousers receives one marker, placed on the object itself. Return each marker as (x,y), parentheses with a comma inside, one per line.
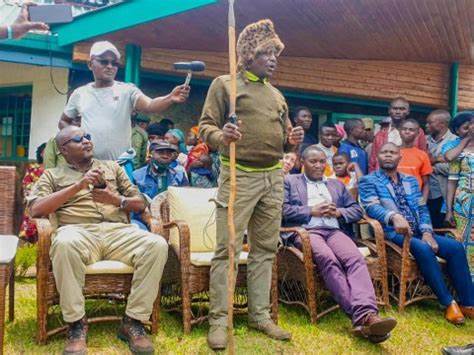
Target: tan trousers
(258,209)
(76,246)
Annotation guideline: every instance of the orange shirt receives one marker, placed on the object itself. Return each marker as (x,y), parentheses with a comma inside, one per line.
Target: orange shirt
(415,162)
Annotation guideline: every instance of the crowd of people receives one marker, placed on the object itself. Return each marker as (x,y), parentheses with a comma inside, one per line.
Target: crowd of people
(108,162)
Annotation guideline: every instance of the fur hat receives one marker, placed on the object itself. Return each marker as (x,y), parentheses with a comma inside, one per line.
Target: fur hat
(258,37)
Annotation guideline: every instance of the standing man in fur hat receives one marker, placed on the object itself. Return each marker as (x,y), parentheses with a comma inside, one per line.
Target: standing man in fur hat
(261,135)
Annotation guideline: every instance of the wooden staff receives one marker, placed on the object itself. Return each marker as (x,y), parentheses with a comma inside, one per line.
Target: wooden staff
(233,182)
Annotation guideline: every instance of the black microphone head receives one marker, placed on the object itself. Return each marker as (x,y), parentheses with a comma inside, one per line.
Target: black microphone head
(195,65)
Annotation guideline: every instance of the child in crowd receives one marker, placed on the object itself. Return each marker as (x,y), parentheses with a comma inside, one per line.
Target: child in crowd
(414,161)
(201,175)
(288,162)
(327,138)
(346,172)
(192,138)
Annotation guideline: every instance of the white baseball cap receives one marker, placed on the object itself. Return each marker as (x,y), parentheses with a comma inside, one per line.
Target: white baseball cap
(99,48)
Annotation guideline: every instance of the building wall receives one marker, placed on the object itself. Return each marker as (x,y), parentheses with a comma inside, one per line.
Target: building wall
(47,104)
(466,86)
(421,83)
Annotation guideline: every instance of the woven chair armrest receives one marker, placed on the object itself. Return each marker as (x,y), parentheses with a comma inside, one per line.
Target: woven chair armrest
(45,230)
(379,236)
(305,241)
(152,223)
(159,210)
(456,233)
(184,253)
(403,251)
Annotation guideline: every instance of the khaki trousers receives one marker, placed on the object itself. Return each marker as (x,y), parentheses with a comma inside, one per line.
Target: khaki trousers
(76,246)
(258,209)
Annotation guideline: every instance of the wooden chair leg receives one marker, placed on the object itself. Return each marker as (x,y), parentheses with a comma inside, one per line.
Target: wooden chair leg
(41,309)
(313,312)
(155,314)
(3,284)
(274,292)
(11,292)
(311,293)
(186,299)
(404,273)
(385,294)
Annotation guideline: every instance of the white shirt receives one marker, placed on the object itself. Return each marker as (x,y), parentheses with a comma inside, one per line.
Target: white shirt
(106,116)
(318,192)
(328,151)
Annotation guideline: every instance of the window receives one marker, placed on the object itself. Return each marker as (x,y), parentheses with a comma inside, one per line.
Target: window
(15,119)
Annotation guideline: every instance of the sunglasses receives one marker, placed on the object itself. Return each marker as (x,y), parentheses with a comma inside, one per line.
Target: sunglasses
(106,62)
(78,139)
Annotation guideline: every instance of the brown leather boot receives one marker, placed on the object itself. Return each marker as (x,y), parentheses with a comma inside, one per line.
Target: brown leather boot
(133,332)
(453,314)
(76,338)
(374,328)
(468,312)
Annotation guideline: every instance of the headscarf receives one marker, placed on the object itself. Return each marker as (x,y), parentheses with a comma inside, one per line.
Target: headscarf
(195,130)
(181,141)
(460,119)
(195,153)
(340,130)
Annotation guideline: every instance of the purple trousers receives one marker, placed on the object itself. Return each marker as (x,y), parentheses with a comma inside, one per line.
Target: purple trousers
(344,272)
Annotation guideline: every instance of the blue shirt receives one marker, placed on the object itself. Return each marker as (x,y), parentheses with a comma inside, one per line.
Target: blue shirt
(151,184)
(356,154)
(403,205)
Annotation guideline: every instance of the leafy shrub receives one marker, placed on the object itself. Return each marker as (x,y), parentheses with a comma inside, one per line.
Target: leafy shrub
(25,258)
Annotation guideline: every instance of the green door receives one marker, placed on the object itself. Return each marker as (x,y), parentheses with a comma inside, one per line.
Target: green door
(15,119)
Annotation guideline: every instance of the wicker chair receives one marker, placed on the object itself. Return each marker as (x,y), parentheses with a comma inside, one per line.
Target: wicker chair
(185,283)
(300,282)
(105,279)
(7,215)
(405,281)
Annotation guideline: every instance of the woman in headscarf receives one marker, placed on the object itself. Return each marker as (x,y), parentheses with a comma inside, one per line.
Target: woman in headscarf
(460,194)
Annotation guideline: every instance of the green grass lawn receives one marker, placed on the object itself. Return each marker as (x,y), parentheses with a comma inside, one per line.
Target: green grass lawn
(421,329)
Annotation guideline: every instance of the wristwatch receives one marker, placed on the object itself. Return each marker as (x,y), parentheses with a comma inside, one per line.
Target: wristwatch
(123,202)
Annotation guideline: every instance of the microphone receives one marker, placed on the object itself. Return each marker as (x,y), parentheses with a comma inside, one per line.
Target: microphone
(195,65)
(190,67)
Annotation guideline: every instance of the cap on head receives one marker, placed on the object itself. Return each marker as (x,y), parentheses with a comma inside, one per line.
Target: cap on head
(387,120)
(101,47)
(368,123)
(258,37)
(163,145)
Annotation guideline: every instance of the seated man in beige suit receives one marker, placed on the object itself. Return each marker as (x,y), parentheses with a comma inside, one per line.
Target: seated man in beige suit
(90,201)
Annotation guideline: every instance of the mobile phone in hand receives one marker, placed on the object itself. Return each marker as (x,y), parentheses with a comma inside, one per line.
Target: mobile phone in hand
(51,14)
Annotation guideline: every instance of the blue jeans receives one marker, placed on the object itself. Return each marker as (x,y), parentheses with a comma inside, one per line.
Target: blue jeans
(454,254)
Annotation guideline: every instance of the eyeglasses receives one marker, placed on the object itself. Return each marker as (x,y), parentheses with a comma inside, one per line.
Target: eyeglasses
(78,139)
(106,62)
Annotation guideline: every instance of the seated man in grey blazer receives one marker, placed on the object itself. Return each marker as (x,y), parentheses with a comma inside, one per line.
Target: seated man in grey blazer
(324,207)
